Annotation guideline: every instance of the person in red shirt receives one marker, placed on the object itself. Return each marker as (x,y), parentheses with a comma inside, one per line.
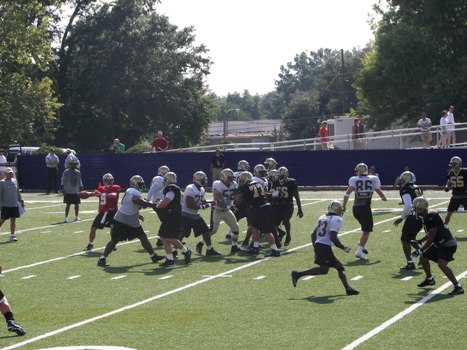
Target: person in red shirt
(324,135)
(108,194)
(160,143)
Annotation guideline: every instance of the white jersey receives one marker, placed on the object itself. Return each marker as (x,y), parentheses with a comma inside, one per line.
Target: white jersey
(237,174)
(196,194)
(262,181)
(228,192)
(364,186)
(155,193)
(327,223)
(128,212)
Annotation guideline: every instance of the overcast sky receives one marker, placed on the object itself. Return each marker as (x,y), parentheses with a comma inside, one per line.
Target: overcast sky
(249,40)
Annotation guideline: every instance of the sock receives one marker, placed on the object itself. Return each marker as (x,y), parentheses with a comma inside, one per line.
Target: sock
(169,256)
(274,247)
(256,244)
(8,316)
(234,243)
(184,249)
(209,247)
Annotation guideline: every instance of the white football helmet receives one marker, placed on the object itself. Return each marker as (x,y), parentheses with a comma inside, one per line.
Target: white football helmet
(137,182)
(108,179)
(260,170)
(200,178)
(227,176)
(335,207)
(283,174)
(244,177)
(406,177)
(170,178)
(272,174)
(270,163)
(361,169)
(455,162)
(164,169)
(420,205)
(243,165)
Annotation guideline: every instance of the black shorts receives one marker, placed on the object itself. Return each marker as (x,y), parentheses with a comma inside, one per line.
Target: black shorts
(198,225)
(9,212)
(435,253)
(325,256)
(104,219)
(364,217)
(241,211)
(71,198)
(1,295)
(412,226)
(121,232)
(281,213)
(262,219)
(455,203)
(170,226)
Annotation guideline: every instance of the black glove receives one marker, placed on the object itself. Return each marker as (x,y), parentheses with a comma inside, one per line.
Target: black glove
(300,214)
(446,189)
(397,221)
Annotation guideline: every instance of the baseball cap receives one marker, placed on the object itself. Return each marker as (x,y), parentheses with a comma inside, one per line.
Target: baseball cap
(8,170)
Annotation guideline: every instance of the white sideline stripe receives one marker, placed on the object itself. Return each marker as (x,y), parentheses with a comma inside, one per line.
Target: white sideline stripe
(308,278)
(118,277)
(400,315)
(259,278)
(131,306)
(43,227)
(406,278)
(45,206)
(73,277)
(166,277)
(28,277)
(356,278)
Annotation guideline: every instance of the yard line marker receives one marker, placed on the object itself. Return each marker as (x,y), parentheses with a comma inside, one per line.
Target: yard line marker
(166,277)
(259,278)
(459,231)
(356,278)
(406,278)
(118,277)
(73,277)
(387,231)
(46,231)
(78,232)
(400,315)
(43,227)
(28,277)
(226,276)
(308,278)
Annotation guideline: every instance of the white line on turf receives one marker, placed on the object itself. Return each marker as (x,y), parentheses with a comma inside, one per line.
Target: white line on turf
(73,277)
(308,278)
(408,278)
(118,277)
(166,277)
(400,315)
(356,278)
(259,278)
(28,277)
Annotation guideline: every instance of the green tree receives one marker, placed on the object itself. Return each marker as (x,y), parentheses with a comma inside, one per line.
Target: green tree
(419,62)
(301,115)
(27,106)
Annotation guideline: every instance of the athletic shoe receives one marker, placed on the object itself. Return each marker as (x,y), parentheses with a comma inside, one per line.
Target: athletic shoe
(427,282)
(364,250)
(65,221)
(77,218)
(287,240)
(89,247)
(212,252)
(155,258)
(253,250)
(235,249)
(102,262)
(167,262)
(12,326)
(13,238)
(352,291)
(273,253)
(409,266)
(294,276)
(199,248)
(458,290)
(187,255)
(360,255)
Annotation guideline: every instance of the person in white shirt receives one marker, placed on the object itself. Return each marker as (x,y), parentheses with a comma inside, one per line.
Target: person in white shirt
(3,164)
(443,123)
(451,127)
(71,156)
(425,124)
(51,162)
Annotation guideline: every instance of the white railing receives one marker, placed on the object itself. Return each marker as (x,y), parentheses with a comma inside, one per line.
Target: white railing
(388,139)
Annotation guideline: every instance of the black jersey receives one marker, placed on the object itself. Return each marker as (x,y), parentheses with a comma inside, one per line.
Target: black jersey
(457,180)
(176,205)
(432,220)
(286,191)
(413,190)
(254,194)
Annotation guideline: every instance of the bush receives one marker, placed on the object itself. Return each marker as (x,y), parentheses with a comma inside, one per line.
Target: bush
(139,148)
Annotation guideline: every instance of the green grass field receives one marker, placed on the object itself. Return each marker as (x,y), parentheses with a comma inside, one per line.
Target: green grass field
(63,299)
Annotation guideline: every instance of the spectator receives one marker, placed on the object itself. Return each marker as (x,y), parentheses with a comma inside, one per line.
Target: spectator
(217,165)
(10,197)
(424,124)
(324,135)
(372,171)
(3,164)
(71,185)
(443,122)
(51,162)
(71,156)
(361,131)
(451,137)
(117,147)
(355,136)
(160,143)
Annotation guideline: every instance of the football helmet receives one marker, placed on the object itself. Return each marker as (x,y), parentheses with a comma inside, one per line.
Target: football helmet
(137,182)
(200,178)
(170,178)
(163,169)
(335,207)
(283,174)
(455,162)
(406,177)
(108,179)
(244,177)
(227,175)
(361,169)
(272,174)
(270,163)
(260,170)
(420,205)
(243,165)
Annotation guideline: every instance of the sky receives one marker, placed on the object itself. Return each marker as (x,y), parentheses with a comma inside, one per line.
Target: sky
(249,40)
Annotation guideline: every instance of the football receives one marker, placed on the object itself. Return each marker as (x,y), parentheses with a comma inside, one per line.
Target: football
(84,194)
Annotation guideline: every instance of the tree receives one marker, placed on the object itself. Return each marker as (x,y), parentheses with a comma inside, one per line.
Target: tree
(419,62)
(27,105)
(301,115)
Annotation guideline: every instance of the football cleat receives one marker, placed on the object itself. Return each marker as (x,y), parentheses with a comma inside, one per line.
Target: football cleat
(253,250)
(364,250)
(409,266)
(458,290)
(273,253)
(13,238)
(235,249)
(212,252)
(352,291)
(427,282)
(89,247)
(155,258)
(187,255)
(199,247)
(167,262)
(12,326)
(102,262)
(294,276)
(360,255)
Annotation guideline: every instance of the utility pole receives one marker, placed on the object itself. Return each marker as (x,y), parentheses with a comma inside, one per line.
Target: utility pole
(342,82)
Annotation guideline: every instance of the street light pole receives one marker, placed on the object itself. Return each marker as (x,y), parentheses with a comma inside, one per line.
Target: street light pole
(226,121)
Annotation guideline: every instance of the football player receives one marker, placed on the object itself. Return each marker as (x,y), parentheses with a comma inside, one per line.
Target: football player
(254,194)
(270,164)
(108,194)
(456,181)
(412,224)
(7,312)
(127,224)
(438,245)
(323,238)
(260,176)
(192,201)
(364,186)
(155,193)
(285,189)
(171,208)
